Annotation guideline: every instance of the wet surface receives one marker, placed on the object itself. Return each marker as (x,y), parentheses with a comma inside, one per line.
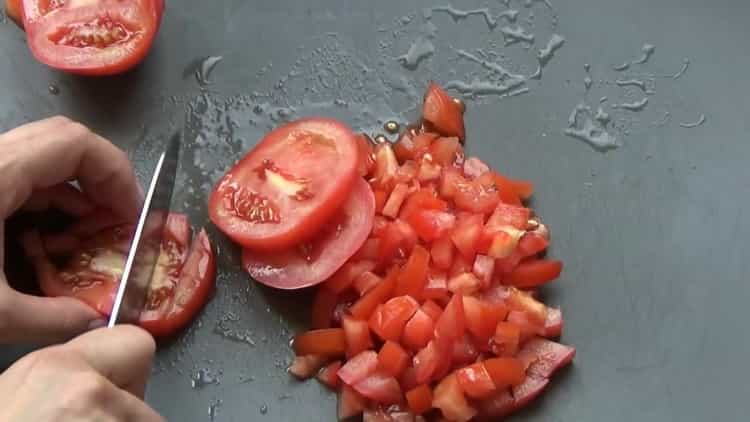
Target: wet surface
(651,229)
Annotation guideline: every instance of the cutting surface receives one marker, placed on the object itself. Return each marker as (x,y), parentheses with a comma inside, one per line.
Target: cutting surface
(652,232)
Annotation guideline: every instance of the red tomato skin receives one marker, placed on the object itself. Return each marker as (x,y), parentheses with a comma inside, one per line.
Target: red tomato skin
(451,324)
(418,331)
(331,190)
(327,342)
(534,273)
(328,375)
(419,399)
(532,244)
(392,359)
(413,277)
(444,114)
(505,372)
(367,304)
(359,367)
(475,381)
(389,319)
(542,357)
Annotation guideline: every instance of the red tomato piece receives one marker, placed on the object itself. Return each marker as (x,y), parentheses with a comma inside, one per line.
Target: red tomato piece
(542,357)
(310,263)
(522,188)
(323,308)
(325,342)
(380,388)
(451,324)
(532,244)
(505,372)
(397,197)
(484,267)
(366,305)
(444,150)
(460,265)
(525,393)
(509,215)
(423,199)
(369,250)
(359,367)
(465,283)
(380,198)
(351,403)
(407,173)
(442,112)
(413,276)
(328,376)
(426,362)
(553,325)
(365,282)
(287,187)
(450,181)
(449,398)
(464,351)
(408,379)
(528,327)
(304,367)
(13,9)
(506,339)
(474,167)
(386,166)
(432,309)
(419,399)
(357,335)
(345,276)
(366,155)
(521,301)
(530,274)
(466,234)
(59,33)
(476,381)
(428,170)
(410,147)
(481,317)
(497,406)
(388,320)
(431,224)
(392,359)
(442,253)
(418,331)
(397,239)
(478,196)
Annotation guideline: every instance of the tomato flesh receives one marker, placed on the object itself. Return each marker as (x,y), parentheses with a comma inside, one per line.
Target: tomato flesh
(444,113)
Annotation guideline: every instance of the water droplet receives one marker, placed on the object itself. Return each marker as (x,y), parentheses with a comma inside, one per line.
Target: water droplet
(213,408)
(202,378)
(646,52)
(263,409)
(420,49)
(53,89)
(700,121)
(203,72)
(391,127)
(461,104)
(633,106)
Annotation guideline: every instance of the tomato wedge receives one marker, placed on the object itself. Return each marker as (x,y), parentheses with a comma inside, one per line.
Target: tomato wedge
(284,190)
(93,37)
(312,263)
(182,282)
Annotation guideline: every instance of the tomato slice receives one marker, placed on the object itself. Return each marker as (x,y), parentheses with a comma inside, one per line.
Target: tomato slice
(311,263)
(285,189)
(444,113)
(96,37)
(182,280)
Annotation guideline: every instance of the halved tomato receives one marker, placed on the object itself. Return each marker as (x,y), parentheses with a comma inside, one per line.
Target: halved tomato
(310,263)
(91,37)
(293,182)
(181,284)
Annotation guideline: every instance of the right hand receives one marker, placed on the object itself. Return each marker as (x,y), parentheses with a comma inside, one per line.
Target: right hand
(99,376)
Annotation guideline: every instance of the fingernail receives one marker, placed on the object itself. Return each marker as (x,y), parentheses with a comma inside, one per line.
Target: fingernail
(97,323)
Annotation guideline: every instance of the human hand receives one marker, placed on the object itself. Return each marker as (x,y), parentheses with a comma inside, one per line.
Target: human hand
(37,161)
(99,376)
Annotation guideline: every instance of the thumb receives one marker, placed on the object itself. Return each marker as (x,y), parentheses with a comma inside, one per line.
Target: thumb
(43,320)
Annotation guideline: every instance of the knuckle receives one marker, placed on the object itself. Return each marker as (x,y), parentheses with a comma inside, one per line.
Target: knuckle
(77,130)
(60,120)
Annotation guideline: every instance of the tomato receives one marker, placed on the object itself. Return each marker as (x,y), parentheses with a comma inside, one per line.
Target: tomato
(421,200)
(431,224)
(522,188)
(380,388)
(474,167)
(481,317)
(13,11)
(526,393)
(521,301)
(444,150)
(442,253)
(426,362)
(466,234)
(367,304)
(365,282)
(465,283)
(396,240)
(505,372)
(293,182)
(359,367)
(432,309)
(181,284)
(553,325)
(413,277)
(328,376)
(345,276)
(310,263)
(428,170)
(410,147)
(476,381)
(464,351)
(366,155)
(386,166)
(101,37)
(357,336)
(419,399)
(449,398)
(451,324)
(397,197)
(509,215)
(351,403)
(497,406)
(326,342)
(543,357)
(479,196)
(484,267)
(442,112)
(304,367)
(418,331)
(534,273)
(532,244)
(389,319)
(450,180)
(392,359)
(506,339)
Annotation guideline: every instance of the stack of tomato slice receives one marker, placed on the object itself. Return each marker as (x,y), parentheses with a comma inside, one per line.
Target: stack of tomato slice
(428,309)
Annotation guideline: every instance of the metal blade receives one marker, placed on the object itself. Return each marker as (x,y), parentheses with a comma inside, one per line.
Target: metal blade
(146,245)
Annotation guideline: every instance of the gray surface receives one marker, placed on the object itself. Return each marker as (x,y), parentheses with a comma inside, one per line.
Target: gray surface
(652,233)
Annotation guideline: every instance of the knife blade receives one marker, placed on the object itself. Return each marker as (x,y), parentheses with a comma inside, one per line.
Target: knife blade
(146,244)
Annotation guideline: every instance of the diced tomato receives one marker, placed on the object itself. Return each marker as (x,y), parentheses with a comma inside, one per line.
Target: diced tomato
(408,379)
(323,307)
(381,197)
(464,351)
(451,324)
(407,173)
(328,376)
(326,342)
(423,199)
(521,301)
(444,150)
(304,367)
(366,155)
(442,112)
(357,334)
(526,393)
(413,277)
(386,166)
(426,362)
(522,188)
(419,399)
(369,250)
(553,325)
(460,265)
(528,327)
(474,167)
(530,274)
(505,372)
(450,181)
(344,277)
(542,357)
(509,215)
(465,283)
(484,267)
(397,197)
(366,305)
(431,224)
(410,147)
(506,339)
(351,403)
(380,388)
(365,282)
(428,170)
(442,253)
(497,406)
(437,286)
(432,309)
(507,264)
(532,244)
(388,320)
(392,359)
(475,381)
(449,398)
(418,331)
(466,234)
(481,317)
(359,367)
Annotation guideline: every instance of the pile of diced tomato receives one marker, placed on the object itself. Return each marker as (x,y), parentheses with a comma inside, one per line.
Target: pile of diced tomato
(436,316)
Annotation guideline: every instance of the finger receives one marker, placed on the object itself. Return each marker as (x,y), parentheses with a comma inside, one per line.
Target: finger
(130,408)
(122,354)
(63,197)
(42,320)
(44,154)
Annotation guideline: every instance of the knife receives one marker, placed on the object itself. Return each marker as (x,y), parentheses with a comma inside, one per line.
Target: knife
(146,245)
